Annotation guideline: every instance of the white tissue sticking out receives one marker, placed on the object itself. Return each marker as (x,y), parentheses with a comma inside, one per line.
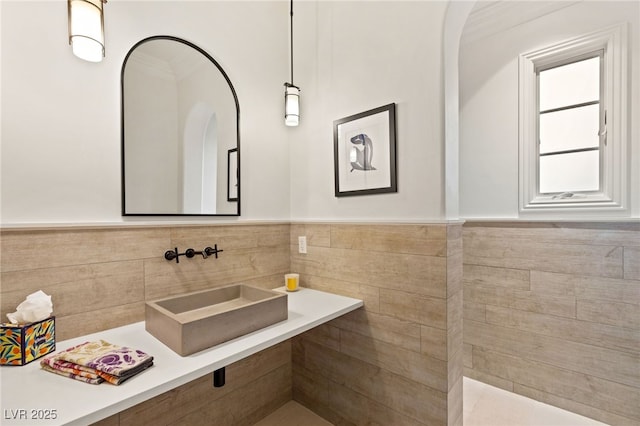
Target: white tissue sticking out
(37,306)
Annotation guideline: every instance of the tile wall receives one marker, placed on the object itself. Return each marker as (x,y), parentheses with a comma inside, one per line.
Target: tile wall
(255,387)
(552,312)
(99,278)
(398,361)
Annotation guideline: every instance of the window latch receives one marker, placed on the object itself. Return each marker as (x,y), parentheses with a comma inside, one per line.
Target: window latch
(603,133)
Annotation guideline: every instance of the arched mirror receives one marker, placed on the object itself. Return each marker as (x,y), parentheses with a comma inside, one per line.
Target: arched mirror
(180,132)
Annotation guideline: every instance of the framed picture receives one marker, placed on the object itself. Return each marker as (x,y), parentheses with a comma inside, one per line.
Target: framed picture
(364,147)
(232,174)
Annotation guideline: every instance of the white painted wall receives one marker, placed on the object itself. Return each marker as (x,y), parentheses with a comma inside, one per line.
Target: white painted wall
(61,115)
(357,56)
(60,134)
(489,103)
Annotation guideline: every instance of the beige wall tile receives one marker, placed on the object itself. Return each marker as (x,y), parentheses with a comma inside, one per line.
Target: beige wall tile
(492,276)
(454,274)
(71,246)
(244,406)
(481,376)
(455,311)
(454,404)
(454,239)
(418,274)
(380,327)
(394,391)
(617,366)
(568,384)
(587,410)
(361,410)
(429,371)
(427,240)
(455,367)
(632,263)
(69,326)
(164,278)
(585,287)
(467,355)
(586,233)
(369,294)
(614,313)
(310,389)
(472,310)
(398,347)
(433,342)
(455,334)
(318,235)
(244,376)
(425,310)
(522,253)
(575,332)
(326,335)
(77,289)
(521,300)
(402,272)
(592,333)
(232,238)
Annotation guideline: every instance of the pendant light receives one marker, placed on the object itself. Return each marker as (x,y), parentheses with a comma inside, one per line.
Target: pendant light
(86,29)
(291,91)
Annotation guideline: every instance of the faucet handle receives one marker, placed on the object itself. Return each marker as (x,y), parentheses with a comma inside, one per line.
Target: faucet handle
(209,251)
(172,254)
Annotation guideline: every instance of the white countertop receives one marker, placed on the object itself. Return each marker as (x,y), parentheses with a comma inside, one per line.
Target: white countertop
(29,393)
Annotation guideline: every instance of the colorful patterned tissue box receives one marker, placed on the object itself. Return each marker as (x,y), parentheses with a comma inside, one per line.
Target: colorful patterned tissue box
(21,344)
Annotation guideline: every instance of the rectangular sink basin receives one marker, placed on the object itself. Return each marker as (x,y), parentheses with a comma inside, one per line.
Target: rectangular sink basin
(192,322)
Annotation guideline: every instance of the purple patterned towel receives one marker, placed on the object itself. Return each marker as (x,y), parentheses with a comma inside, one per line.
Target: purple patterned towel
(73,374)
(87,374)
(95,362)
(108,358)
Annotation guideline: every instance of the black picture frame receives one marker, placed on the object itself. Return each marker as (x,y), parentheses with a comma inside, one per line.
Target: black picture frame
(375,132)
(232,174)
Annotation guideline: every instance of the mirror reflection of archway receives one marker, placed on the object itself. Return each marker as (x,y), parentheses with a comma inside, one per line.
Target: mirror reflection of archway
(198,189)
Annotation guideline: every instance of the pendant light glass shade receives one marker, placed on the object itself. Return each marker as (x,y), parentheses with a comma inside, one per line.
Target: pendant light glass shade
(86,29)
(291,105)
(291,91)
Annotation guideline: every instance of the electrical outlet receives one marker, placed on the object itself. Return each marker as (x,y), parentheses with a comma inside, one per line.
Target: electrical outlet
(302,244)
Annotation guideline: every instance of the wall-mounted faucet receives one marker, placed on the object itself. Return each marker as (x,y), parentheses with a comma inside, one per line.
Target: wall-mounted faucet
(189,253)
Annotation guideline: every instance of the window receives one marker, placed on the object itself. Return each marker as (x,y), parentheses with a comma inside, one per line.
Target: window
(569,127)
(573,125)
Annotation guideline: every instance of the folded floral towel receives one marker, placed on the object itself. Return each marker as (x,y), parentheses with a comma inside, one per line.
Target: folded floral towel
(95,362)
(106,357)
(78,375)
(70,369)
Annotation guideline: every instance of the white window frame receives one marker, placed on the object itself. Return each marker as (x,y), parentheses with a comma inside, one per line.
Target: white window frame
(613,194)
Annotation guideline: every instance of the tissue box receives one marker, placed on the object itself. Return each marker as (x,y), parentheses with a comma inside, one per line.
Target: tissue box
(21,344)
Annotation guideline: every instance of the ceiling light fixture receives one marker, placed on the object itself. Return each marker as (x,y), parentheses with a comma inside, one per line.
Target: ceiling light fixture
(291,91)
(86,29)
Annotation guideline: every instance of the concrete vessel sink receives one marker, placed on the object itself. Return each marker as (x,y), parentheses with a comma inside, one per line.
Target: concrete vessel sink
(192,322)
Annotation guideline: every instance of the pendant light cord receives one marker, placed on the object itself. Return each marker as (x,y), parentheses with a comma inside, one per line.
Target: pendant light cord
(291,18)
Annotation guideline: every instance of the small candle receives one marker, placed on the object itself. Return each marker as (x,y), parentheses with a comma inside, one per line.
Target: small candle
(291,281)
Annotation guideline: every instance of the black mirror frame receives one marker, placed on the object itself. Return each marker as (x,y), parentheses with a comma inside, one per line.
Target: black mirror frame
(122,159)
